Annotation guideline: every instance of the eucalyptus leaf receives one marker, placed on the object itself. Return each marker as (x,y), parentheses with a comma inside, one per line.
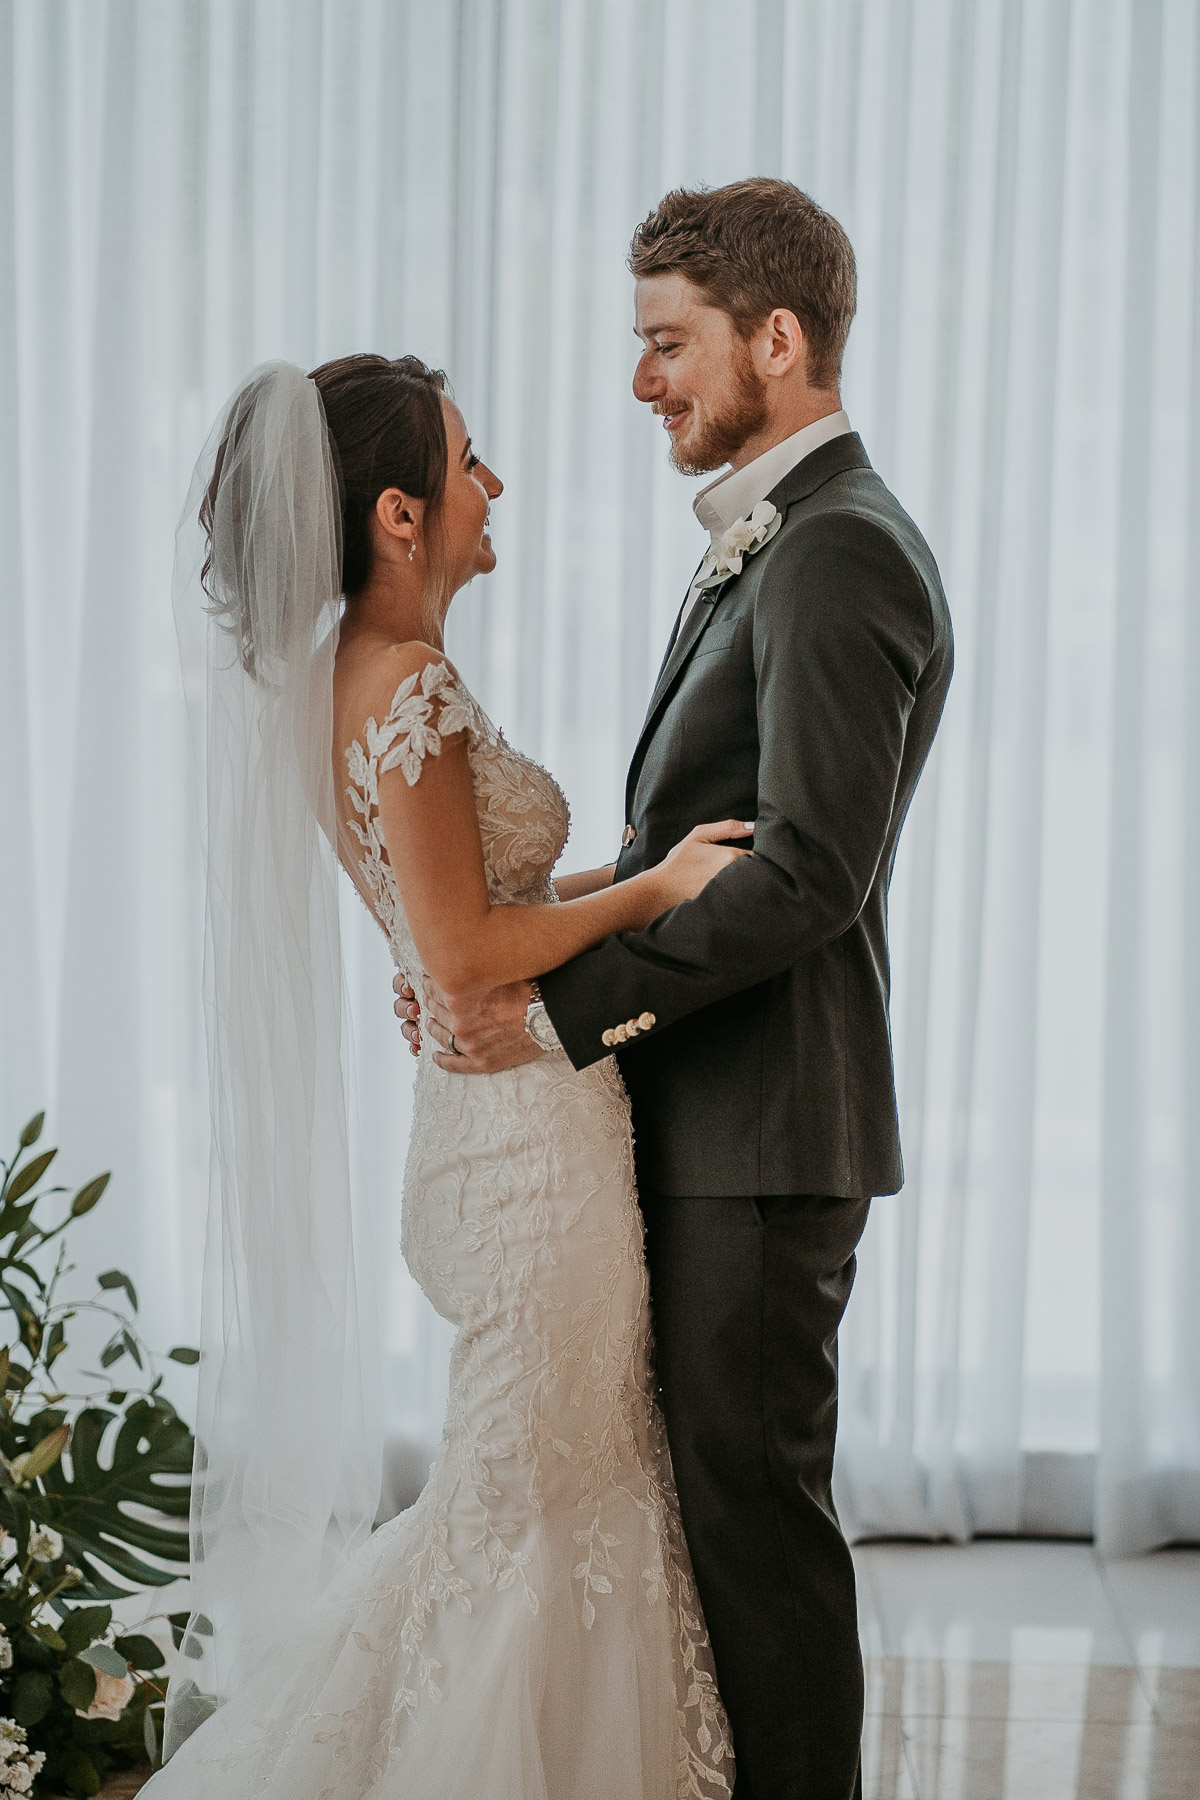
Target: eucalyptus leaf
(140,1651)
(82,1625)
(106,1659)
(150,1737)
(183,1353)
(77,1683)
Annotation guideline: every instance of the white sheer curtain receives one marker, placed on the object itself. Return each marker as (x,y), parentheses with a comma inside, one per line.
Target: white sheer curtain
(188,188)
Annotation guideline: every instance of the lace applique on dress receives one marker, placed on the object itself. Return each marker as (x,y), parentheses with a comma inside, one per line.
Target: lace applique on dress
(416,723)
(524,819)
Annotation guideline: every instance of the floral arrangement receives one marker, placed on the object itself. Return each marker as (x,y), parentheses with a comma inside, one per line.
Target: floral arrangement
(94,1490)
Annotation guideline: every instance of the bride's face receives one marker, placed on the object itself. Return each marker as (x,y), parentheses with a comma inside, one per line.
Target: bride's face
(470,489)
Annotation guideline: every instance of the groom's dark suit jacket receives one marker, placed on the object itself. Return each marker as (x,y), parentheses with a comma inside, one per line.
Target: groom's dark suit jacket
(804,695)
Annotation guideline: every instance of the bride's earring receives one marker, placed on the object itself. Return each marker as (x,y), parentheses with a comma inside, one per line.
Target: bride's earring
(413,551)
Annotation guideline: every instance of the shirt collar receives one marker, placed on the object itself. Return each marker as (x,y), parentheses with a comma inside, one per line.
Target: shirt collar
(735,495)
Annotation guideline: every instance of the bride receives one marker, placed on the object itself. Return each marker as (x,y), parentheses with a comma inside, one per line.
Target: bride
(529,1630)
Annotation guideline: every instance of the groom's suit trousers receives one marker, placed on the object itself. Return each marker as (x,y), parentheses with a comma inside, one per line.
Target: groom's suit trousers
(747,1297)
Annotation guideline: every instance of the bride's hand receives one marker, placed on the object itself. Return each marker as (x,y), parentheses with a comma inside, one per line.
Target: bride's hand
(703,853)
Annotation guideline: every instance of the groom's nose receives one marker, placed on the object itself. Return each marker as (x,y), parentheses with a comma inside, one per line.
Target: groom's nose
(646,384)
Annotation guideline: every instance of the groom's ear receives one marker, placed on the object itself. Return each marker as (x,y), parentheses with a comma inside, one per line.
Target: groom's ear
(778,347)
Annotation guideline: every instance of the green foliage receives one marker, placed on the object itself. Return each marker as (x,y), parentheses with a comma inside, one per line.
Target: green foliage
(94,1498)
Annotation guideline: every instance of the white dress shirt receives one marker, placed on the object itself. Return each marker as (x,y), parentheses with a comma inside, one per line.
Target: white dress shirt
(735,495)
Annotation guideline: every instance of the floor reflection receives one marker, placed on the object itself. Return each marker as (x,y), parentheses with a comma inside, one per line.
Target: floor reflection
(1023,1671)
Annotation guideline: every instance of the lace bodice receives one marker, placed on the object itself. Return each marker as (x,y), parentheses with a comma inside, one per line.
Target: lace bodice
(524,819)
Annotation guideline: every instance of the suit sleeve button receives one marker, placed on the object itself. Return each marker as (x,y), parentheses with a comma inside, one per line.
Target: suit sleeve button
(646,1020)
(627,836)
(608,1037)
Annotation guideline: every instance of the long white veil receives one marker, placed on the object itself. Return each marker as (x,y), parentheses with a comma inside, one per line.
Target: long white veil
(287,1465)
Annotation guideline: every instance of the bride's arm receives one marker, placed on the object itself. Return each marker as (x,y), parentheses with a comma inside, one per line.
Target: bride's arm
(430,831)
(584,881)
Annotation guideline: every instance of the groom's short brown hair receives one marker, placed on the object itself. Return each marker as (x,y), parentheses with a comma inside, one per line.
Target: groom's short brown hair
(753,246)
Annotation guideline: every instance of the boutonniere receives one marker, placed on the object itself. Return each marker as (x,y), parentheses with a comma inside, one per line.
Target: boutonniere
(743,538)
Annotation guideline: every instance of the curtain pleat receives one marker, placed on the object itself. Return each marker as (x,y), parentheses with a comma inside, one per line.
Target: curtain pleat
(188,189)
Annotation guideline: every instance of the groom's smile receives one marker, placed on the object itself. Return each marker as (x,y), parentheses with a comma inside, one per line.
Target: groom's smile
(696,373)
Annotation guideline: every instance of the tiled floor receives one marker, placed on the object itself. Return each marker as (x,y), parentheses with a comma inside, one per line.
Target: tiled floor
(1029,1671)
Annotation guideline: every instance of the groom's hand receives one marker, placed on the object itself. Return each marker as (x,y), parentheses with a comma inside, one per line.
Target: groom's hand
(488,1029)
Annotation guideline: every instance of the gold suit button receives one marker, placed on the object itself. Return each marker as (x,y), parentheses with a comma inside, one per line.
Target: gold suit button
(632,1027)
(620,1034)
(627,836)
(646,1020)
(609,1038)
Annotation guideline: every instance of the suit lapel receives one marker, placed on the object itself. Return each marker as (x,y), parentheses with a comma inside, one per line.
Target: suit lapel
(834,458)
(686,638)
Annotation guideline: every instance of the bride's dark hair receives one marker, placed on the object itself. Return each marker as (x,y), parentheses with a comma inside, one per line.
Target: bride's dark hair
(384,429)
(385,422)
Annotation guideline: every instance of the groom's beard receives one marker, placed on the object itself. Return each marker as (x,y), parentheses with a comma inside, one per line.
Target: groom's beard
(720,439)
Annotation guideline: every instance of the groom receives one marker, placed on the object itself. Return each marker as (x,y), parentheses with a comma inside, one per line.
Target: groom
(801,689)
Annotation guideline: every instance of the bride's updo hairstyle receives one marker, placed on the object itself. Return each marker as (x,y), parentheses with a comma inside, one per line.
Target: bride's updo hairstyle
(362,423)
(385,422)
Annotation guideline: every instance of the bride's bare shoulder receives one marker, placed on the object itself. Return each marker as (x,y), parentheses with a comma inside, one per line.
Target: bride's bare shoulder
(371,678)
(399,703)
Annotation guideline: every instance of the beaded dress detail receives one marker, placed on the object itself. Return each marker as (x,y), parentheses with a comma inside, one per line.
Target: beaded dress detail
(529,1629)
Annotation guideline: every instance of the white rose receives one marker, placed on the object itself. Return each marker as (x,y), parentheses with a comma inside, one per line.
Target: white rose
(5,1650)
(45,1545)
(113,1694)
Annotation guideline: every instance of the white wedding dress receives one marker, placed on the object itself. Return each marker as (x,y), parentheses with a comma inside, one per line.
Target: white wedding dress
(529,1630)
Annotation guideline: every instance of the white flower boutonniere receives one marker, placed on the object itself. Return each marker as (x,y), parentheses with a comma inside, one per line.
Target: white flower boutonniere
(743,538)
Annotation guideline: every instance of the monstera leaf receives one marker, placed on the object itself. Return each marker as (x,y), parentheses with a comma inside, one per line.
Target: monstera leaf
(140,1465)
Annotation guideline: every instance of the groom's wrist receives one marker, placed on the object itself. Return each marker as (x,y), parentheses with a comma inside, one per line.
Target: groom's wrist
(539,1026)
